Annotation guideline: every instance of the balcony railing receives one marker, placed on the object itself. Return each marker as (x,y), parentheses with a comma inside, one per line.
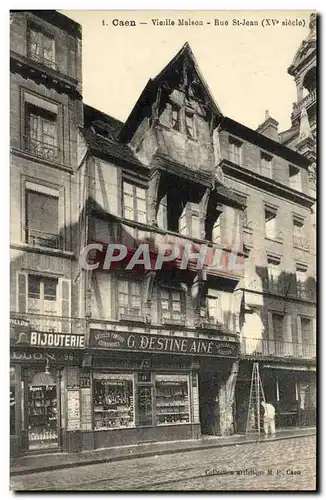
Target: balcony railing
(273,286)
(130,314)
(277,349)
(304,103)
(43,239)
(47,323)
(301,242)
(42,149)
(42,60)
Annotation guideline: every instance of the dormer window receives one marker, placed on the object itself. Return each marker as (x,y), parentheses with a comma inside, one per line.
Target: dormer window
(176,121)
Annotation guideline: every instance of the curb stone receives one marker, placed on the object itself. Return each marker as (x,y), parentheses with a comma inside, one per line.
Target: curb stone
(129,455)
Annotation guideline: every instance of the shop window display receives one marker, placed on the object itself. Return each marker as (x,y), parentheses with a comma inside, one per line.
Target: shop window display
(113,401)
(172,399)
(42,416)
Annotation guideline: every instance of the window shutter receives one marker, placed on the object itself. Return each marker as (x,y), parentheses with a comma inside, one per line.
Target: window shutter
(22,292)
(65,286)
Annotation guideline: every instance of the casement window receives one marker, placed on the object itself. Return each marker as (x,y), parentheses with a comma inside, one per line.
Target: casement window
(171,305)
(41,131)
(134,202)
(189,221)
(299,237)
(129,298)
(46,297)
(41,47)
(213,309)
(266,165)
(42,218)
(235,151)
(175,116)
(301,279)
(270,222)
(190,123)
(295,179)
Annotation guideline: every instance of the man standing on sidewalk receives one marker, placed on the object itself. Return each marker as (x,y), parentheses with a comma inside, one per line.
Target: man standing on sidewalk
(269,418)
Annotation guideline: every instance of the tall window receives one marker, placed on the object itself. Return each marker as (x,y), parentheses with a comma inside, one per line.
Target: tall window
(129,298)
(41,132)
(278,326)
(270,223)
(266,165)
(41,47)
(190,123)
(42,219)
(299,238)
(295,180)
(301,278)
(171,305)
(134,202)
(213,309)
(274,271)
(235,151)
(306,331)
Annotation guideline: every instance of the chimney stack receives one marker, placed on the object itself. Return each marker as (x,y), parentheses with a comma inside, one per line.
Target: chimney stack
(269,127)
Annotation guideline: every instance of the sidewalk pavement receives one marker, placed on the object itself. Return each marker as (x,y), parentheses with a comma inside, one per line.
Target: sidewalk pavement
(30,464)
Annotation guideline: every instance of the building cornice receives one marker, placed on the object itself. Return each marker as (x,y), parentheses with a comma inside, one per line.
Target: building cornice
(48,76)
(266,184)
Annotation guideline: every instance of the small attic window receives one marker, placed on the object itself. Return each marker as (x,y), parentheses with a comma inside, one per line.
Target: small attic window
(190,123)
(176,121)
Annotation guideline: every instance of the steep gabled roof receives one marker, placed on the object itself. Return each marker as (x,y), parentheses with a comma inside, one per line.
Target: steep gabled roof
(106,148)
(148,94)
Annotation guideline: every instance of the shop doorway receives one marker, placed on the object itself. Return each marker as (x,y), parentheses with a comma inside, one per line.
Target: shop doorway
(208,404)
(42,414)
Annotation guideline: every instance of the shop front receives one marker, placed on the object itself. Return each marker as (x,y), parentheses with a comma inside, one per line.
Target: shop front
(144,388)
(290,388)
(42,378)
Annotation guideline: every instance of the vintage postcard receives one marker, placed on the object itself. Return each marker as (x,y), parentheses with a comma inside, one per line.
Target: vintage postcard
(163,250)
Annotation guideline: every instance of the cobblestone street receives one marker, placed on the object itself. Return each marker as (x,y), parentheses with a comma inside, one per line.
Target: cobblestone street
(288,464)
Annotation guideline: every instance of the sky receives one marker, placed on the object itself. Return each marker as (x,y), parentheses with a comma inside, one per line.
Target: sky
(244,67)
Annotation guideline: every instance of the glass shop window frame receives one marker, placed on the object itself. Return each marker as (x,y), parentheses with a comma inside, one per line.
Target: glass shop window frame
(100,376)
(148,380)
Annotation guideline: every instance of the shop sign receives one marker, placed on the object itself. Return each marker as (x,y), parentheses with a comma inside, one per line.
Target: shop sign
(22,335)
(156,343)
(29,357)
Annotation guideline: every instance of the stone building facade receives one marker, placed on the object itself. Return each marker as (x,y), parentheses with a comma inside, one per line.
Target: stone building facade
(106,357)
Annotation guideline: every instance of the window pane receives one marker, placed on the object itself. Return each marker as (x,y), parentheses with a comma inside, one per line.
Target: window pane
(128,188)
(172,400)
(113,402)
(34,287)
(50,289)
(140,193)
